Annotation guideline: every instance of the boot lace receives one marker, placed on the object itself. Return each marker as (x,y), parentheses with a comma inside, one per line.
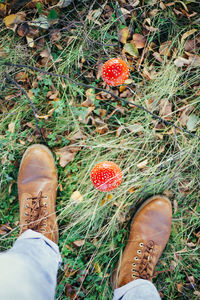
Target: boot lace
(36,213)
(142,265)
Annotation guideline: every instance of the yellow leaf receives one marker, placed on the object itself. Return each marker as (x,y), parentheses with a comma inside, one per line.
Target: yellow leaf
(76,197)
(142,164)
(97,267)
(107,198)
(13,20)
(186,34)
(123,35)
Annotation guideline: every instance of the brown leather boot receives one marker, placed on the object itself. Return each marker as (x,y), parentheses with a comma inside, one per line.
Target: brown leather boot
(37,188)
(150,231)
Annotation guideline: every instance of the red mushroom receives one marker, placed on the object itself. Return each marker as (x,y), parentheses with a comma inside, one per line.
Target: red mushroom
(115,71)
(106,176)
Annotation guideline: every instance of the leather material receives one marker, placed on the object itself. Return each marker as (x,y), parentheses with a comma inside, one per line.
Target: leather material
(37,189)
(150,231)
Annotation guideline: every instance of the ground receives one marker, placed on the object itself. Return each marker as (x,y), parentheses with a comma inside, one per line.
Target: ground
(149,126)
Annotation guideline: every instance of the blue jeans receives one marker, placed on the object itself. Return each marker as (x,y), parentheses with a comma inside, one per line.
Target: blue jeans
(28,271)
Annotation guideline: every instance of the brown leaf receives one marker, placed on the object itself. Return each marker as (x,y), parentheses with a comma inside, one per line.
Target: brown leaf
(21,76)
(191,45)
(184,117)
(157,57)
(102,130)
(165,109)
(179,287)
(139,40)
(55,36)
(78,136)
(4,229)
(123,35)
(78,243)
(46,53)
(23,29)
(13,20)
(67,154)
(165,48)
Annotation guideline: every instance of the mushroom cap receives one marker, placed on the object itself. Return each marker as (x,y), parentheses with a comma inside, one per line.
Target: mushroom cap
(115,71)
(106,176)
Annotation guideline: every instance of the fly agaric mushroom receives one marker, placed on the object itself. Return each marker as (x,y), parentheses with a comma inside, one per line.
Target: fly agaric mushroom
(106,176)
(115,71)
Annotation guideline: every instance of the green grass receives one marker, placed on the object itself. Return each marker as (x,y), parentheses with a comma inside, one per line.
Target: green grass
(173,157)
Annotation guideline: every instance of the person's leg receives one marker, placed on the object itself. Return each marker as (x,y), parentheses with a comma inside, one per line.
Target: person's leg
(29,268)
(139,289)
(150,231)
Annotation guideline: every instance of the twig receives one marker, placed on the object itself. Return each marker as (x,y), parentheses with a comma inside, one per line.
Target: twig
(103,90)
(29,100)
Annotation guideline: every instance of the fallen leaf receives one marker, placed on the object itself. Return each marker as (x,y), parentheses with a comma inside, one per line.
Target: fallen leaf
(191,45)
(139,40)
(55,36)
(123,35)
(64,3)
(102,130)
(193,121)
(78,136)
(76,197)
(165,48)
(165,109)
(21,76)
(23,29)
(11,127)
(97,267)
(186,34)
(41,22)
(30,41)
(179,287)
(180,62)
(67,154)
(184,117)
(106,199)
(3,52)
(142,164)
(13,20)
(2,10)
(4,229)
(78,243)
(131,49)
(135,128)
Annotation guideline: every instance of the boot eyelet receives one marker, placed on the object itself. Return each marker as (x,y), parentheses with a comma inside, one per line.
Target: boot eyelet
(26,205)
(136,258)
(139,252)
(134,264)
(26,214)
(133,276)
(141,245)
